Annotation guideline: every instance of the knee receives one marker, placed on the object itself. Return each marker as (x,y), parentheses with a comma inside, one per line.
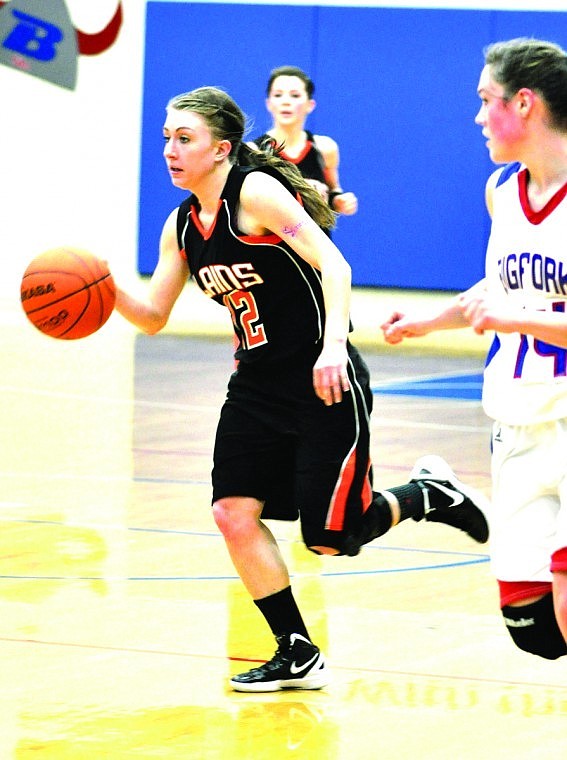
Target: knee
(316,539)
(560,604)
(232,518)
(534,629)
(324,550)
(220,515)
(560,596)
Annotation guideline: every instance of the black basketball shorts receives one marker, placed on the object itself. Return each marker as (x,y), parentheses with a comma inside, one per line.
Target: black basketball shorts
(278,443)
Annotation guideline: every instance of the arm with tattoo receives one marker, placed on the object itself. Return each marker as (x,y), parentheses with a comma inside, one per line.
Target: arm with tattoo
(292,231)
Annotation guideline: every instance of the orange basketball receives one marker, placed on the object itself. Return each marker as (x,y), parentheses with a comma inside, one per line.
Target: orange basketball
(67,293)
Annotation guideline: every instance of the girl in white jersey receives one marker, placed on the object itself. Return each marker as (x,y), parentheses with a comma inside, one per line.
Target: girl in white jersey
(523,115)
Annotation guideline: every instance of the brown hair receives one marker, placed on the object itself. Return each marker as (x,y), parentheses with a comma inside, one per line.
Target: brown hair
(536,64)
(226,121)
(291,71)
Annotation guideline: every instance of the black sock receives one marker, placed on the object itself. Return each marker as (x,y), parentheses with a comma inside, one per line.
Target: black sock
(282,613)
(410,499)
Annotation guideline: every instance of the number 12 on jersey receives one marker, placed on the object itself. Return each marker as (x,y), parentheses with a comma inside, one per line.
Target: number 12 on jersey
(244,312)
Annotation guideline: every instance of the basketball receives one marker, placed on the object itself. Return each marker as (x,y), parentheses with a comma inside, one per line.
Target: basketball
(67,293)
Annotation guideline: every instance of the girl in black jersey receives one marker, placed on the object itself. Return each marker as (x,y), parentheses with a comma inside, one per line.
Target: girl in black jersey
(293,435)
(290,101)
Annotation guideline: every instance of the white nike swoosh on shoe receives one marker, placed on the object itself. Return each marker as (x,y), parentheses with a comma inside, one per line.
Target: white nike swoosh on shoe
(293,668)
(457,496)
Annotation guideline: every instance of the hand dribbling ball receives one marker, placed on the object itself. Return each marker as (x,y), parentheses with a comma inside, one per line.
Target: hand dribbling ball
(67,293)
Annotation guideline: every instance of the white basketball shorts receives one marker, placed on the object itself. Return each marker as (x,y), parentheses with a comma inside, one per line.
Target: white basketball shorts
(528,520)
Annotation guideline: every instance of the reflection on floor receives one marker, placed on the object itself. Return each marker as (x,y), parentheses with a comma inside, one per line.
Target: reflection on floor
(466,387)
(121,616)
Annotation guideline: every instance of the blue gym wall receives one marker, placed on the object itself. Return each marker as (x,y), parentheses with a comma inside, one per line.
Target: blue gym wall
(395,87)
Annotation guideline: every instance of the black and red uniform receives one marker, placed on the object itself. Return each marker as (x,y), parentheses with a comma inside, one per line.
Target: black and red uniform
(276,440)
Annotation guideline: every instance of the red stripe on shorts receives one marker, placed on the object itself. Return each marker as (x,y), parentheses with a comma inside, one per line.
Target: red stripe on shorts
(367,489)
(337,509)
(515,591)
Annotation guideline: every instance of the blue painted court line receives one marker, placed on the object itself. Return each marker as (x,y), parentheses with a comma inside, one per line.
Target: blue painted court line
(467,387)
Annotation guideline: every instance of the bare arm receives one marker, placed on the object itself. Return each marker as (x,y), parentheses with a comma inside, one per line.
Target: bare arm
(484,313)
(449,317)
(267,206)
(343,203)
(456,313)
(167,282)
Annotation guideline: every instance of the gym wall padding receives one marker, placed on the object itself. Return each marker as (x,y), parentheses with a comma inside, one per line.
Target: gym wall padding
(396,87)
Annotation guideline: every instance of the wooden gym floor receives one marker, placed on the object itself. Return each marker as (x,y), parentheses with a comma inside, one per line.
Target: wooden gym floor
(121,617)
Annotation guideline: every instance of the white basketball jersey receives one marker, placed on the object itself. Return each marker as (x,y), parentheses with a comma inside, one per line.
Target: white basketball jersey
(526,261)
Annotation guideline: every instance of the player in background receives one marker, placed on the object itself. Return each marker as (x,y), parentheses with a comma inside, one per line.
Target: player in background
(289,99)
(523,115)
(293,436)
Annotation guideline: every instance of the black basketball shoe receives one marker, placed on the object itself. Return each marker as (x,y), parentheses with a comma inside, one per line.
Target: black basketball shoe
(297,664)
(447,500)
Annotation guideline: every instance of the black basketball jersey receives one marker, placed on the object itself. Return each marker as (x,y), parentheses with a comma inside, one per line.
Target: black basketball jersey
(275,297)
(310,161)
